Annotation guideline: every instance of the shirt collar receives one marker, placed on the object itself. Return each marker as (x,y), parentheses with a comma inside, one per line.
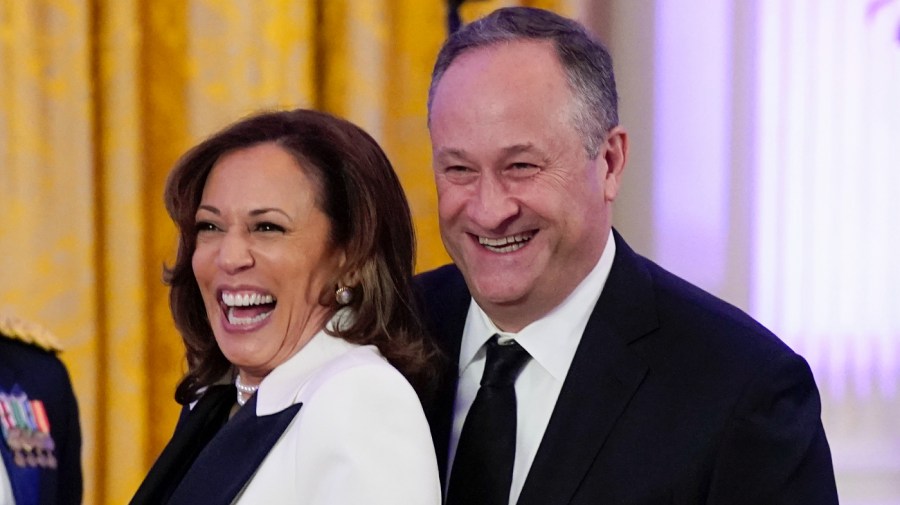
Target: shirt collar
(553,339)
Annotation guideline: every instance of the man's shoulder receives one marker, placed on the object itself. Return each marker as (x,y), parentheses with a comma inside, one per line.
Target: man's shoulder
(14,350)
(702,314)
(27,334)
(26,347)
(685,308)
(444,299)
(693,333)
(442,282)
(439,276)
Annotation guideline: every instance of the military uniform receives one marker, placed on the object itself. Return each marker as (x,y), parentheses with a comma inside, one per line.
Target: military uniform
(40,447)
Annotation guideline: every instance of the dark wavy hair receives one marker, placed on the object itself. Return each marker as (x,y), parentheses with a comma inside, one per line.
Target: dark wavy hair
(370,220)
(585,61)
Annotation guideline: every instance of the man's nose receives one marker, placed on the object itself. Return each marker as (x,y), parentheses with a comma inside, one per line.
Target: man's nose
(492,205)
(235,253)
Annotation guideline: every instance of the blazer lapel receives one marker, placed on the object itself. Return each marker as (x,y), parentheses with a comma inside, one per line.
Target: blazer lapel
(194,430)
(232,456)
(602,379)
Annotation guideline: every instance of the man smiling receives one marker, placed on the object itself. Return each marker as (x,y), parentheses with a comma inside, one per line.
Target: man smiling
(580,371)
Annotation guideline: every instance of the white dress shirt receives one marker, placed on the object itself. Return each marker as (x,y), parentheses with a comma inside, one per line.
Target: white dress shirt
(551,341)
(359,438)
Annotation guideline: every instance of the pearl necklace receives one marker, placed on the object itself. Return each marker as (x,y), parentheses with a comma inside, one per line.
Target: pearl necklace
(243,391)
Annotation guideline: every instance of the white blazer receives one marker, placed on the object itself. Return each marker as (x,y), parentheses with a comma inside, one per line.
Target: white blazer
(360,437)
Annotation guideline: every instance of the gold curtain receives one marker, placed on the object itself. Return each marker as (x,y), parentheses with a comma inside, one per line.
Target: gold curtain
(97,100)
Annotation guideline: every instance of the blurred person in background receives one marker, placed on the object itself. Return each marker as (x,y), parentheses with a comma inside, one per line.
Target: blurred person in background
(40,454)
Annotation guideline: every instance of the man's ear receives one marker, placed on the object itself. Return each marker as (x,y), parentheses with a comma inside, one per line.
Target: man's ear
(615,154)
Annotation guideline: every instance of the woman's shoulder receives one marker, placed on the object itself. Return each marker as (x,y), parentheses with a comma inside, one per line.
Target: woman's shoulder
(363,385)
(361,369)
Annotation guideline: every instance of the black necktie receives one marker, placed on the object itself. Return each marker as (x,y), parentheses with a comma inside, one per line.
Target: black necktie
(482,468)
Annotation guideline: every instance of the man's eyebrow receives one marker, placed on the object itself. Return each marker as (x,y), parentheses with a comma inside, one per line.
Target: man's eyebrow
(452,152)
(455,152)
(519,148)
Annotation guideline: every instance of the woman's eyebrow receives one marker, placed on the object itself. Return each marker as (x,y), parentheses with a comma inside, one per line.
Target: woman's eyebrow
(266,210)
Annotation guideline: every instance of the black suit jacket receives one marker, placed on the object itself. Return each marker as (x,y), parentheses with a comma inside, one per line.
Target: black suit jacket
(673,396)
(42,376)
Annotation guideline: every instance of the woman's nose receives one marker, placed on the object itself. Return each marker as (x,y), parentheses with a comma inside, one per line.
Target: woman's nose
(234,252)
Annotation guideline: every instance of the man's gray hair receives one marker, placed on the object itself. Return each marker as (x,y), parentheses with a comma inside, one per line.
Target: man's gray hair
(585,62)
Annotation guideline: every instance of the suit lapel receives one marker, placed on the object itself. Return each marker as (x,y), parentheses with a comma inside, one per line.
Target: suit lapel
(229,460)
(601,381)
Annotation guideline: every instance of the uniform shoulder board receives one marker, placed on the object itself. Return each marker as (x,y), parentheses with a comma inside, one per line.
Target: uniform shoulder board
(28,332)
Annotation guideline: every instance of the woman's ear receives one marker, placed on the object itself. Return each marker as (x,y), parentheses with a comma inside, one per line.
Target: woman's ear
(341,258)
(351,275)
